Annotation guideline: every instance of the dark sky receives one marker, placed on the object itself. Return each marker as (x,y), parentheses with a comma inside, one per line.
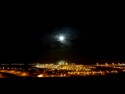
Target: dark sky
(27,36)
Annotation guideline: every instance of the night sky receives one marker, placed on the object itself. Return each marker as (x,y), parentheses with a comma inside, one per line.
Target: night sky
(92,36)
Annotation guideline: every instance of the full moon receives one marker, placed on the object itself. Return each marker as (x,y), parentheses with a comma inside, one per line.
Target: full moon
(61,38)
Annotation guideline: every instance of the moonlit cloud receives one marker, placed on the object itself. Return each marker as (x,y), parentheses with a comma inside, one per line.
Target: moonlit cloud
(63,36)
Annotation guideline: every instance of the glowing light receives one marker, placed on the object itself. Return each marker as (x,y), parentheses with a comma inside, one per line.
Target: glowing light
(62,63)
(41,75)
(61,38)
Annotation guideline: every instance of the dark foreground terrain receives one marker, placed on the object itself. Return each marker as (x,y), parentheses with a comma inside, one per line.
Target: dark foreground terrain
(88,84)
